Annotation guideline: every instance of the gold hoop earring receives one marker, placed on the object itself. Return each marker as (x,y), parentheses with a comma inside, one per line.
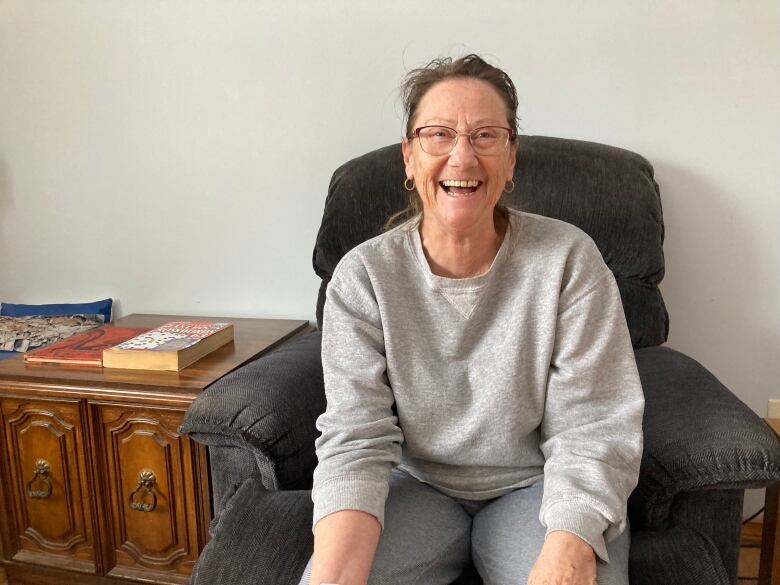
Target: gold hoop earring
(512,188)
(406,185)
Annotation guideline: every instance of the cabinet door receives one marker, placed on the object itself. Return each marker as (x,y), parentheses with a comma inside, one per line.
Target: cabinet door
(48,483)
(154,516)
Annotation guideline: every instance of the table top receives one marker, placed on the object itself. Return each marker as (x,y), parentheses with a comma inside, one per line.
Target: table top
(251,338)
(774,424)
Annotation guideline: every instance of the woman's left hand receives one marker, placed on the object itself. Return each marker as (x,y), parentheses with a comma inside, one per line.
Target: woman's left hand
(565,559)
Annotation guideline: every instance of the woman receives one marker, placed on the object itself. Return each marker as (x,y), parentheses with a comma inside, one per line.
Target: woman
(483,399)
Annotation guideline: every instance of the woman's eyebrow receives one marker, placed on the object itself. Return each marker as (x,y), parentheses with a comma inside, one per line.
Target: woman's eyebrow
(452,123)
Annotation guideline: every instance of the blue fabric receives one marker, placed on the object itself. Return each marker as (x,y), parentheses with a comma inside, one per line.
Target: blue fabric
(96,308)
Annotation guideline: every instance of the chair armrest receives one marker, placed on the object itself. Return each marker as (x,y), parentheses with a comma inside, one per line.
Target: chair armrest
(697,436)
(269,406)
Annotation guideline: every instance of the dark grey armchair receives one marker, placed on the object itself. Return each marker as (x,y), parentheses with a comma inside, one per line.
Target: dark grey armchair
(703,446)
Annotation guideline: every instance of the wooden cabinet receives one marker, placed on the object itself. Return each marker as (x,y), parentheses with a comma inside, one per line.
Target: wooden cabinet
(96,484)
(48,482)
(145,461)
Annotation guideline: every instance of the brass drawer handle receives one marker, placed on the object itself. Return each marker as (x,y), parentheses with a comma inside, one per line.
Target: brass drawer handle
(146,480)
(41,473)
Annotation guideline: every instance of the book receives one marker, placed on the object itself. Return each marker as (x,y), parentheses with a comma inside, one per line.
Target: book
(172,346)
(82,349)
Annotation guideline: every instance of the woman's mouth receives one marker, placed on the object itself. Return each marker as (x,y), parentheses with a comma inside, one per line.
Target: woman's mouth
(458,188)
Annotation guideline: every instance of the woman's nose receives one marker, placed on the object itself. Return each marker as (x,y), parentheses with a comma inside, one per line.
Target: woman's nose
(462,154)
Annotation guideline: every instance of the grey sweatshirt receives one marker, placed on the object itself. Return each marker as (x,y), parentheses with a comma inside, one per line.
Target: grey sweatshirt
(479,386)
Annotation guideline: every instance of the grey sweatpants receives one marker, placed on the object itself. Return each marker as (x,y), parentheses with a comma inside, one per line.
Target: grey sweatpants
(429,538)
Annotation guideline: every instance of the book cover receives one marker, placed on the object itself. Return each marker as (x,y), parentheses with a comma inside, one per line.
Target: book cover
(171,346)
(84,349)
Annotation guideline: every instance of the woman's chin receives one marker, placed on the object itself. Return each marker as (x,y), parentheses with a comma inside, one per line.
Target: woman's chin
(462,211)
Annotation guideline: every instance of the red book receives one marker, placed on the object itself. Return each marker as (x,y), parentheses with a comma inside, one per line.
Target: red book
(84,349)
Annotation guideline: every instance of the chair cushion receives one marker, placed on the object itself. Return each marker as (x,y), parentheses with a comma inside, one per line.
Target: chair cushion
(94,308)
(608,192)
(678,556)
(260,537)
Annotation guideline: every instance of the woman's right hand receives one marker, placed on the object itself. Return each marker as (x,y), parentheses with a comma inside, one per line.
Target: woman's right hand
(344,547)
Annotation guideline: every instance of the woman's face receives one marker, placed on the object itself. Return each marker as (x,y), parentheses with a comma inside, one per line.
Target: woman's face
(462,104)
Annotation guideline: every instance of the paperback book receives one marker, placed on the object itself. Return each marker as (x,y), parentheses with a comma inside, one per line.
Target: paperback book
(83,349)
(172,346)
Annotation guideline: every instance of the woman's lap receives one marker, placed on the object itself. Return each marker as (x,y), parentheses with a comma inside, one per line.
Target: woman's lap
(425,540)
(429,538)
(507,537)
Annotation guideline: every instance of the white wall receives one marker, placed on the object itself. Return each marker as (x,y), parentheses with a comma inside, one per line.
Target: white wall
(175,154)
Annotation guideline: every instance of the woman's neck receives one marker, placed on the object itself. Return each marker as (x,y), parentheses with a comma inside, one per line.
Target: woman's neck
(454,254)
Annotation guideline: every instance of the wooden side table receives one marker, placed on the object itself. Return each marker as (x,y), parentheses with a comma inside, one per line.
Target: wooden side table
(769,567)
(96,484)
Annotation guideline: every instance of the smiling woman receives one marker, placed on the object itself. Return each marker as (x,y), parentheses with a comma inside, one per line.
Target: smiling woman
(483,402)
(460,185)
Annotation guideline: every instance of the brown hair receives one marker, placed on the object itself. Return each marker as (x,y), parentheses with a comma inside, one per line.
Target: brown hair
(418,81)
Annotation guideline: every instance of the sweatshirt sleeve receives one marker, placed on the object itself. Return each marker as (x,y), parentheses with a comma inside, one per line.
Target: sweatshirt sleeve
(591,433)
(360,441)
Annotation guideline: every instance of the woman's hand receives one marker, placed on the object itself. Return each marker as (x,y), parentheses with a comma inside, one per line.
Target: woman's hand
(565,559)
(344,546)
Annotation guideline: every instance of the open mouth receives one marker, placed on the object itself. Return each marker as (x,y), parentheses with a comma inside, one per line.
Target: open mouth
(455,188)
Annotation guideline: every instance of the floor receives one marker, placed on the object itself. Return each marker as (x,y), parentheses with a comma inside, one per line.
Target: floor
(748,558)
(750,554)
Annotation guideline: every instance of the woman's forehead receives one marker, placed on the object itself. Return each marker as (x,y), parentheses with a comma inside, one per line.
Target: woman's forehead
(453,100)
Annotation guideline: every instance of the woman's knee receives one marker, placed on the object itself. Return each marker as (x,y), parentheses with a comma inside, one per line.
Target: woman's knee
(426,537)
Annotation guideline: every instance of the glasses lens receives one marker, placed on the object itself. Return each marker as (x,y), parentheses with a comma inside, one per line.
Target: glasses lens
(489,140)
(437,139)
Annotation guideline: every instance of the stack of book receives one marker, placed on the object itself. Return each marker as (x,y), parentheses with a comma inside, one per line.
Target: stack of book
(172,346)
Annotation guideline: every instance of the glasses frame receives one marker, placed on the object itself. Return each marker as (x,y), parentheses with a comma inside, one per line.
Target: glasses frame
(416,134)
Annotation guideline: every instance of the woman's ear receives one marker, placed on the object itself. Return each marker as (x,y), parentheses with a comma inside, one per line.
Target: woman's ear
(406,148)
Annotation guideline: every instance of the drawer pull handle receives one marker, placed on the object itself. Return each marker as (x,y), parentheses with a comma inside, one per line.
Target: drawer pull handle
(146,480)
(41,473)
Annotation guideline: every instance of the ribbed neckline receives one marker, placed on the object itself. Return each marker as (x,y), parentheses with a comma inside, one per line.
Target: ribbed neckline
(461,284)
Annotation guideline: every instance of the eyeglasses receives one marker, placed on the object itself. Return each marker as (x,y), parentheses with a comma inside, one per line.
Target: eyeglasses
(441,140)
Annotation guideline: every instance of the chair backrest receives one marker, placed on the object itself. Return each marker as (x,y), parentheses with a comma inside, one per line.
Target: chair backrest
(608,192)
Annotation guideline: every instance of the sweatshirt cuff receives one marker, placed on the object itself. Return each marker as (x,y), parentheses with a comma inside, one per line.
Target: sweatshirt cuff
(349,492)
(574,517)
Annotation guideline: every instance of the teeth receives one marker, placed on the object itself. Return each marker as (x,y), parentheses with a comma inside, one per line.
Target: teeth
(453,183)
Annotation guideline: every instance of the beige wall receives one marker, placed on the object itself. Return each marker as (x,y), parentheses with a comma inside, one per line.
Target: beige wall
(175,154)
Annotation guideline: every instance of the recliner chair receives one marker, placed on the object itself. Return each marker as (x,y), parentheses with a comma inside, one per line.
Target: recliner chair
(702,448)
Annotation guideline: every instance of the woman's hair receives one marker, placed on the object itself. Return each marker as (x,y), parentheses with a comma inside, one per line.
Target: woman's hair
(418,81)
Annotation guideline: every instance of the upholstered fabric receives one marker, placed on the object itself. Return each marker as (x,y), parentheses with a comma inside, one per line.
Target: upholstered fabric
(698,436)
(678,556)
(230,467)
(716,513)
(608,192)
(268,406)
(259,537)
